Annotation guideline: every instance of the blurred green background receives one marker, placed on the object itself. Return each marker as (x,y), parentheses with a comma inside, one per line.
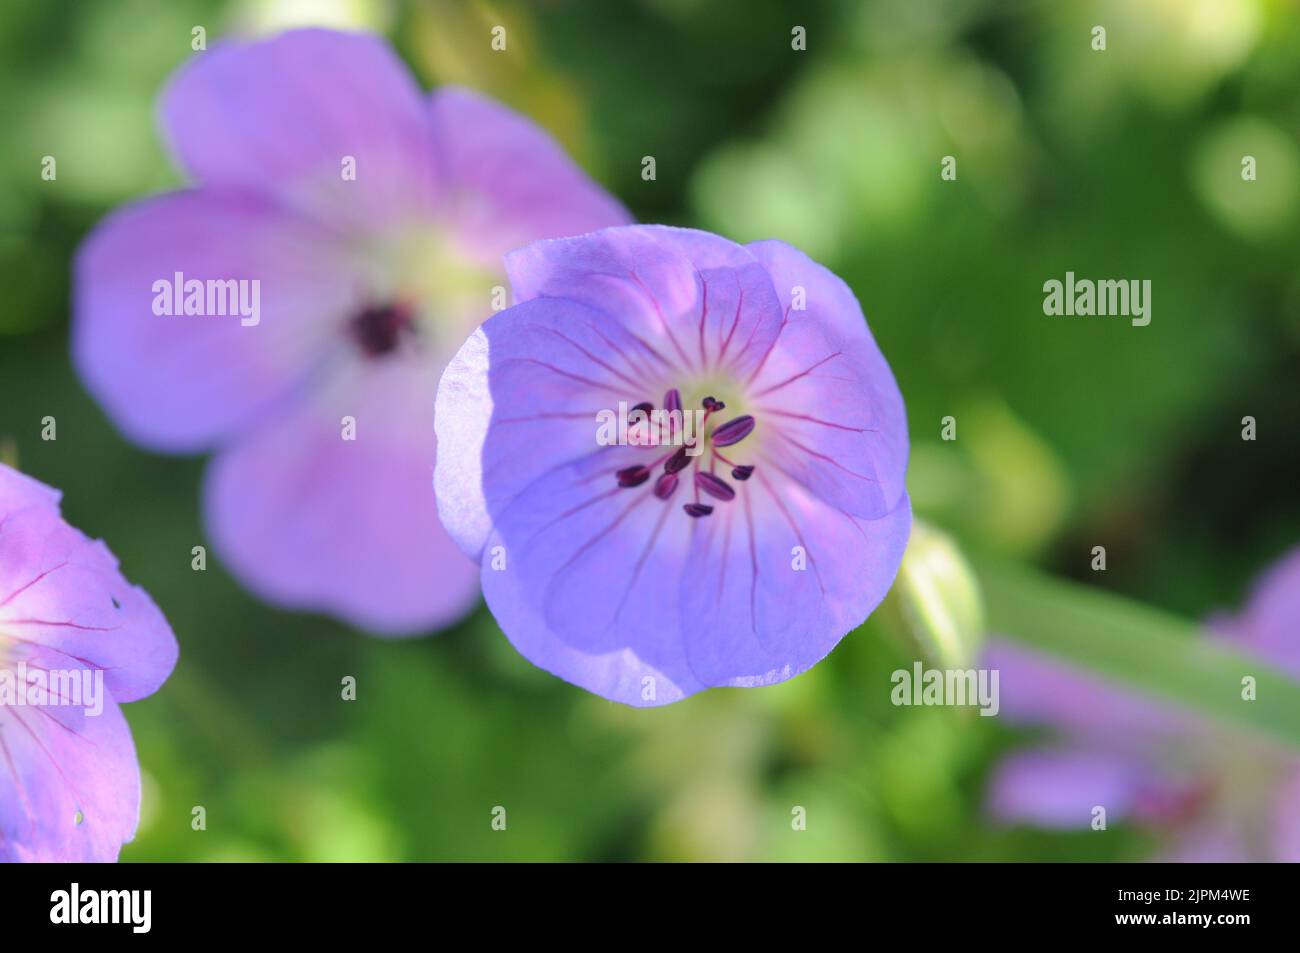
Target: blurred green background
(1071,432)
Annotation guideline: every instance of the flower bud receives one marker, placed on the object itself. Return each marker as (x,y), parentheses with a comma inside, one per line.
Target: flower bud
(935,602)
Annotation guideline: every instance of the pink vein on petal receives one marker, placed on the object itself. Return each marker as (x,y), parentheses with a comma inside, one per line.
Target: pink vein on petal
(23,588)
(663,322)
(801,374)
(821,456)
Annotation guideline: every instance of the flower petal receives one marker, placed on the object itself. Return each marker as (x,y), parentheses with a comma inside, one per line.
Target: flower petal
(774,579)
(1286,819)
(827,393)
(1035,689)
(66,795)
(1270,624)
(1060,789)
(311,521)
(508,181)
(180,382)
(699,303)
(585,581)
(19,491)
(62,593)
(531,379)
(282,116)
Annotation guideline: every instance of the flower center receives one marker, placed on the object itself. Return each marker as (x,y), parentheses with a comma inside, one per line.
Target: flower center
(418,283)
(690,453)
(378,331)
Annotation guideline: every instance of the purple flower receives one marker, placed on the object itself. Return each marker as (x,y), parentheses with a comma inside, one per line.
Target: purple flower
(345,234)
(650,569)
(1214,796)
(76,639)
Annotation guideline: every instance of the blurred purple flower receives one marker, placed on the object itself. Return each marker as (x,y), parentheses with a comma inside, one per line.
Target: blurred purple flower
(639,571)
(374,220)
(73,627)
(1216,796)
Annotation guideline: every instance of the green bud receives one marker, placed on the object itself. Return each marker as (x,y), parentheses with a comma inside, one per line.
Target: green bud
(935,604)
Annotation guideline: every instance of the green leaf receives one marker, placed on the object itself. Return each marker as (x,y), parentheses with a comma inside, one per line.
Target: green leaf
(1141,647)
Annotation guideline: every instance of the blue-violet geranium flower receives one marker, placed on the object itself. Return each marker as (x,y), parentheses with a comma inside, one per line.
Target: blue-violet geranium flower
(648,568)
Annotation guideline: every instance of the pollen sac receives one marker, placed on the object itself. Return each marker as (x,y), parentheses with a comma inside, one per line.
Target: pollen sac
(677,461)
(633,476)
(665,485)
(673,400)
(733,431)
(697,509)
(715,486)
(742,473)
(645,407)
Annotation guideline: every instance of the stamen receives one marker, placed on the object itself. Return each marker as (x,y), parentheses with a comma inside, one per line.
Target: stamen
(673,405)
(714,486)
(633,476)
(678,461)
(733,431)
(665,485)
(706,481)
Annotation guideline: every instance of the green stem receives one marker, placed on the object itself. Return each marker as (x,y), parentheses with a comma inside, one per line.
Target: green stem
(1144,648)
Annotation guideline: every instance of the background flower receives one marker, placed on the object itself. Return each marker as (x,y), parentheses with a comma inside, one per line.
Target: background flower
(374,219)
(70,790)
(1212,794)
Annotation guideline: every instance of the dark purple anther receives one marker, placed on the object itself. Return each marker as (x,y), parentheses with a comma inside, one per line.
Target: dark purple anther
(742,473)
(645,407)
(665,485)
(697,509)
(633,476)
(673,405)
(709,403)
(733,431)
(678,461)
(714,486)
